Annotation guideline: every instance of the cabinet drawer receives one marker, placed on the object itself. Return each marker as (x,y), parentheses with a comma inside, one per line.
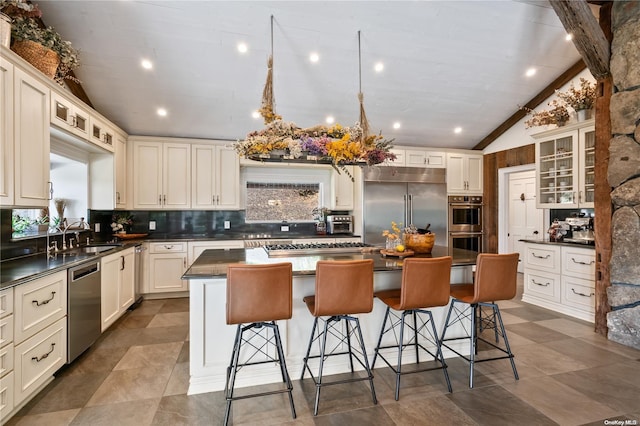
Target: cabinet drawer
(167,247)
(542,284)
(579,293)
(6,360)
(6,302)
(6,395)
(6,330)
(579,263)
(39,304)
(37,358)
(546,258)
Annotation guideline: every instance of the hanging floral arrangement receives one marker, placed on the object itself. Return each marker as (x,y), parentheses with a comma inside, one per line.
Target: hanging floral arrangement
(558,114)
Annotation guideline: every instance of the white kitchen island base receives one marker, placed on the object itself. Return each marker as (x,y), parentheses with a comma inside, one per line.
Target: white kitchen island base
(211,339)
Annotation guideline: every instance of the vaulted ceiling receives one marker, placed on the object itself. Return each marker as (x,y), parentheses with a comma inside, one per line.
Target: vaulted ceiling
(447,64)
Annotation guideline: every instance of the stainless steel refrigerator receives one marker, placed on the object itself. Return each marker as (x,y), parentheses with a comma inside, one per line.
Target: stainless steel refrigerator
(404,194)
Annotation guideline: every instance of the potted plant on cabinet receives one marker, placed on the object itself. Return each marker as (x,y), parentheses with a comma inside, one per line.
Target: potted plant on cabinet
(10,9)
(580,99)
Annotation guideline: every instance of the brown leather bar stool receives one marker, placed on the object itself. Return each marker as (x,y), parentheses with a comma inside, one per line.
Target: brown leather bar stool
(258,296)
(496,276)
(343,289)
(425,284)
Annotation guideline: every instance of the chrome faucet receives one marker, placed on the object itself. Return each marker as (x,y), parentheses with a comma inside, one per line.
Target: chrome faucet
(80,222)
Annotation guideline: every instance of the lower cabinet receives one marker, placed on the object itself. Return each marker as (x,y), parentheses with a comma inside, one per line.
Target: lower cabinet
(167,264)
(561,278)
(118,285)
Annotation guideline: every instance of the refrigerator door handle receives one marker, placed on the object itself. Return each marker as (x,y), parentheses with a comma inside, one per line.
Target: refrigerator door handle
(406,204)
(410,211)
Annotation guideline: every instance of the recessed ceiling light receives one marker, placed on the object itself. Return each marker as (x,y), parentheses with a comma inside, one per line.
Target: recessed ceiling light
(146,64)
(314,57)
(569,37)
(379,67)
(242,47)
(330,119)
(255,114)
(396,125)
(530,72)
(457,130)
(162,112)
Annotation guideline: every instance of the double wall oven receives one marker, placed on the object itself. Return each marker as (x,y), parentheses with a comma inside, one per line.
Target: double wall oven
(465,222)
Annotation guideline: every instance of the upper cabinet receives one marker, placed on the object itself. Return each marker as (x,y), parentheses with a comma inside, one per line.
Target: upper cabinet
(424,158)
(161,175)
(31,110)
(6,133)
(565,160)
(342,194)
(464,173)
(215,177)
(121,170)
(68,116)
(101,133)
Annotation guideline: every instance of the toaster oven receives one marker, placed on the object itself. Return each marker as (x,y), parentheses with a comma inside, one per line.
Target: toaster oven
(339,224)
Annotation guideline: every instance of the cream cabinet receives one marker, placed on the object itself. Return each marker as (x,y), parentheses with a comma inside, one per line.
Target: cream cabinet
(6,353)
(215,177)
(101,133)
(424,158)
(342,189)
(118,285)
(6,133)
(167,264)
(68,116)
(32,108)
(561,278)
(161,175)
(565,166)
(464,173)
(120,170)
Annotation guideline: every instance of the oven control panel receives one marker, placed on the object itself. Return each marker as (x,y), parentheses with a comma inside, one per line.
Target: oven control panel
(465,199)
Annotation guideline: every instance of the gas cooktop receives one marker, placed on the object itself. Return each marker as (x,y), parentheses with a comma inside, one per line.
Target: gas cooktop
(314,248)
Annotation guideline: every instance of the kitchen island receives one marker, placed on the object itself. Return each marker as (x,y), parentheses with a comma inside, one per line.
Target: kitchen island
(211,339)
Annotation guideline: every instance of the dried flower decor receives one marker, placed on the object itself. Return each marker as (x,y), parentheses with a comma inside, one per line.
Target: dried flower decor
(558,114)
(579,98)
(394,234)
(19,8)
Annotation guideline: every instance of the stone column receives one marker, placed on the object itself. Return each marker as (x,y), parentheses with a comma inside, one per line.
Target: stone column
(624,175)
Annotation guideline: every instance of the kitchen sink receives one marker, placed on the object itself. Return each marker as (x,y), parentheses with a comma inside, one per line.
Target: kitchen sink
(97,249)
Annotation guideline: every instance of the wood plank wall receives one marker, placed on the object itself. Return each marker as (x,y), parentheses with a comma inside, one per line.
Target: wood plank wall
(492,162)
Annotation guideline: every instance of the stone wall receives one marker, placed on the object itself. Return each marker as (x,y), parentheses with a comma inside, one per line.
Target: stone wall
(624,175)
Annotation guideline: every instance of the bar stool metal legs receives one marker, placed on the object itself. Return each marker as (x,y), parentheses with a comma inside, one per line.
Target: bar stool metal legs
(421,328)
(468,316)
(260,341)
(357,352)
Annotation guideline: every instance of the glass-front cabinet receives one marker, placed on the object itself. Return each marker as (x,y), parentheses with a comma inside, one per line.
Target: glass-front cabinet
(565,160)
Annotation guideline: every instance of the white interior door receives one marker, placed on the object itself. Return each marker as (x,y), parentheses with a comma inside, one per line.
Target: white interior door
(524,219)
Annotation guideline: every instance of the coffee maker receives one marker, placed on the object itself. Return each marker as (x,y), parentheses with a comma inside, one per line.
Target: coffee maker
(580,230)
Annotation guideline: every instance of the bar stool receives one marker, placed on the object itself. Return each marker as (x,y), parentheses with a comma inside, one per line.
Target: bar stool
(495,280)
(425,284)
(343,289)
(258,296)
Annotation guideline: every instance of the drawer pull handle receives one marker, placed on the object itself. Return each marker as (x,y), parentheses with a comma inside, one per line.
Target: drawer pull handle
(168,247)
(540,257)
(38,359)
(44,302)
(540,284)
(582,294)
(582,263)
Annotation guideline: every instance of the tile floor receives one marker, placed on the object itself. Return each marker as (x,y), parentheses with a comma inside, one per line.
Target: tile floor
(137,374)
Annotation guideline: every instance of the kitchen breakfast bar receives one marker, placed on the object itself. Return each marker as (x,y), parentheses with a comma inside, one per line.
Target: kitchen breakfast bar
(211,339)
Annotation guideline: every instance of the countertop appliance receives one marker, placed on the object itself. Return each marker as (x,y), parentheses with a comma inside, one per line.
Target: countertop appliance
(465,222)
(339,224)
(411,195)
(83,319)
(274,250)
(580,230)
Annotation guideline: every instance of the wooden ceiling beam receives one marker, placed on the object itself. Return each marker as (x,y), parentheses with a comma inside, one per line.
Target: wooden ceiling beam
(563,79)
(577,18)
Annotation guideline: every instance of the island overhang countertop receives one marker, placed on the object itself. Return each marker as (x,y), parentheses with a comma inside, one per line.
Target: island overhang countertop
(213,263)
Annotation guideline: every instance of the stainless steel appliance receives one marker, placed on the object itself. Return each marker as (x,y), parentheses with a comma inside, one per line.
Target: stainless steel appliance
(465,222)
(339,224)
(465,213)
(411,195)
(580,230)
(83,319)
(138,276)
(274,250)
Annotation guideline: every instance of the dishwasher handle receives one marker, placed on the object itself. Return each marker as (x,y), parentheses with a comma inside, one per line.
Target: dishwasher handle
(84,271)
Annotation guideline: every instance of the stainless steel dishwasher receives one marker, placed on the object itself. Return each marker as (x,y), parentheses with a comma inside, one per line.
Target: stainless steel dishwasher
(83,319)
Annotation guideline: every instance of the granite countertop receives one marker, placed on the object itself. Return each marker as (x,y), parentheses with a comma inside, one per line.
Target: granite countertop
(154,236)
(213,263)
(23,269)
(562,243)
